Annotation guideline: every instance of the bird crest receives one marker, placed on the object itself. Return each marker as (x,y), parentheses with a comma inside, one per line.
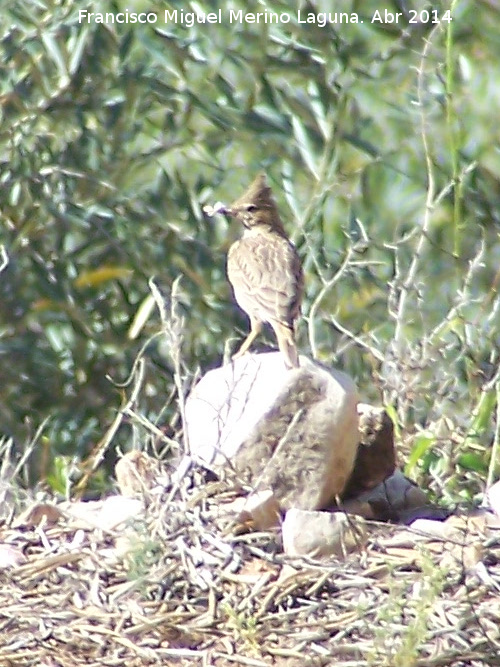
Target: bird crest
(256,206)
(258,193)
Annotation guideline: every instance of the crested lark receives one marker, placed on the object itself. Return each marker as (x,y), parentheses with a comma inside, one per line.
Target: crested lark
(264,270)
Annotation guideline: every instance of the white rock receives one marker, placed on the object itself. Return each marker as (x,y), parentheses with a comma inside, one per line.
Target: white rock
(262,509)
(227,403)
(11,556)
(105,514)
(493,497)
(427,528)
(292,431)
(319,534)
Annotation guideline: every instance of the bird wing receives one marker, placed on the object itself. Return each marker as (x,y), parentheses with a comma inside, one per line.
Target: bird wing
(266,275)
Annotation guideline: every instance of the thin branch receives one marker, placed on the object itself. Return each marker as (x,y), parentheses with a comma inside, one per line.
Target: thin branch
(173,325)
(4,258)
(98,454)
(356,339)
(409,282)
(317,301)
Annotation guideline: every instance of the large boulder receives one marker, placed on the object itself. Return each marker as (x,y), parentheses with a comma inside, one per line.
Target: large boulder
(292,431)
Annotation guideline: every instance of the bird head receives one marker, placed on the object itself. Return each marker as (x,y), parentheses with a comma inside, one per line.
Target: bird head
(256,207)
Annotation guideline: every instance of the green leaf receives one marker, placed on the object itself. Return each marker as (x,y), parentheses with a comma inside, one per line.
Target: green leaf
(101,275)
(421,445)
(472,461)
(56,55)
(485,411)
(77,48)
(305,147)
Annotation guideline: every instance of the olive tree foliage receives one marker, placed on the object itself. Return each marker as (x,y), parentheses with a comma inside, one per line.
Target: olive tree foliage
(381,144)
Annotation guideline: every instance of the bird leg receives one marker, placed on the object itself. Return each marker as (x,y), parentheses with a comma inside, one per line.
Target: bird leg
(255,329)
(286,344)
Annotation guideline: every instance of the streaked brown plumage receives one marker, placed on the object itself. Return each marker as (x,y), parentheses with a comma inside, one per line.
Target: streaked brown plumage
(264,270)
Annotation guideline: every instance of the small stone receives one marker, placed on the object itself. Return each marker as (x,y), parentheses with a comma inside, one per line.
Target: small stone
(320,534)
(493,498)
(262,509)
(136,472)
(39,513)
(107,514)
(11,556)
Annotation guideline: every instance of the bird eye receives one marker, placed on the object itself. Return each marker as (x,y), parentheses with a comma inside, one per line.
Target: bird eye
(251,208)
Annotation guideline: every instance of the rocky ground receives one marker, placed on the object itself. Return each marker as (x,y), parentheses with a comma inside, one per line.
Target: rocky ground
(172,578)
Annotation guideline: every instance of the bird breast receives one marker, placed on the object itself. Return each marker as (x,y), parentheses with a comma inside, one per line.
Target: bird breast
(265,272)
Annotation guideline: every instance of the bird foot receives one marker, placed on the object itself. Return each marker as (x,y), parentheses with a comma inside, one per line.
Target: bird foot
(239,354)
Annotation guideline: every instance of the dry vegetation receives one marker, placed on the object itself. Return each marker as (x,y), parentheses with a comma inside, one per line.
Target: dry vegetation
(180,586)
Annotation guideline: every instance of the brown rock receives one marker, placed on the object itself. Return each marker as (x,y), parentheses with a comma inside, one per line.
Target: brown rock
(376,456)
(395,499)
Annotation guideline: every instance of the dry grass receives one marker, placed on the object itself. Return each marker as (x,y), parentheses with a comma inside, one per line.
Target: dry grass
(180,586)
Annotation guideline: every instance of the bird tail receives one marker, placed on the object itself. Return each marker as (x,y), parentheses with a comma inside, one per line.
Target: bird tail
(286,344)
